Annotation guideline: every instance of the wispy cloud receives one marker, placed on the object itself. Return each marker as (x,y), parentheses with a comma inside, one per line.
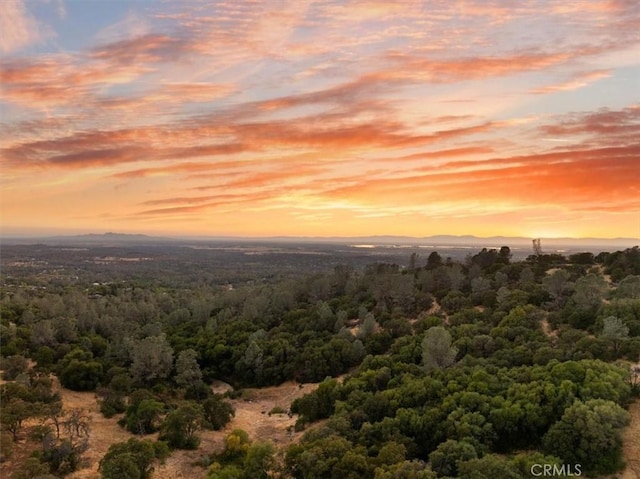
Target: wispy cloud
(578,80)
(378,115)
(19,27)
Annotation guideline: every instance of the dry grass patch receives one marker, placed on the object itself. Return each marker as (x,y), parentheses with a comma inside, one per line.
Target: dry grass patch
(631,444)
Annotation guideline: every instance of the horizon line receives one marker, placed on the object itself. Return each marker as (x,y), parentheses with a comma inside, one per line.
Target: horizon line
(170,236)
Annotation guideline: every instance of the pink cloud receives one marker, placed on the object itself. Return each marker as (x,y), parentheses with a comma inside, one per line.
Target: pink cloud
(19,27)
(578,80)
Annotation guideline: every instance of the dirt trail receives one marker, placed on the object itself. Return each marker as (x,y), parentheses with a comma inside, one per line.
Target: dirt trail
(252,413)
(546,329)
(631,444)
(102,431)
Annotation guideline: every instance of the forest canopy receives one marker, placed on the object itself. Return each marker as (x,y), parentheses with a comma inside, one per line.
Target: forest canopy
(431,368)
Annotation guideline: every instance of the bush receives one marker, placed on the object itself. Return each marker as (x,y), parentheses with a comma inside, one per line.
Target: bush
(132,459)
(79,372)
(13,366)
(217,412)
(180,427)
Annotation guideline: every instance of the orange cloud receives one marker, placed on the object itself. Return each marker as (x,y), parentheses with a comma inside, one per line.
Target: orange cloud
(577,81)
(607,126)
(607,176)
(356,111)
(150,48)
(178,168)
(409,67)
(210,202)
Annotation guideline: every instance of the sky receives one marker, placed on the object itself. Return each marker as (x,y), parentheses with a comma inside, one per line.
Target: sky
(320,118)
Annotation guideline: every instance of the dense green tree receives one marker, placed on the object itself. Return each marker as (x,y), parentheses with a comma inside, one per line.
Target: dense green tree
(405,470)
(330,457)
(13,366)
(133,459)
(488,467)
(589,434)
(188,372)
(152,359)
(318,404)
(79,371)
(437,351)
(229,471)
(368,327)
(259,460)
(143,416)
(216,412)
(122,466)
(629,287)
(589,291)
(445,459)
(180,426)
(434,260)
(13,413)
(32,468)
(558,285)
(615,331)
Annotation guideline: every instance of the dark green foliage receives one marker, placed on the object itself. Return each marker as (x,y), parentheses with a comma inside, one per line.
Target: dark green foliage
(318,404)
(111,403)
(188,374)
(217,412)
(20,401)
(331,457)
(405,470)
(133,459)
(582,258)
(63,456)
(181,425)
(78,371)
(434,260)
(31,468)
(242,459)
(259,460)
(488,467)
(12,366)
(143,416)
(445,459)
(44,358)
(589,434)
(621,263)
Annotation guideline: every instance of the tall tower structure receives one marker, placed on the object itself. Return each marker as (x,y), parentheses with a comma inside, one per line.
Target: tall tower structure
(537,247)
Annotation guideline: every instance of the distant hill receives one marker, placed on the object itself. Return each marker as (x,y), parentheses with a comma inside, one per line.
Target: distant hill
(92,239)
(377,240)
(452,240)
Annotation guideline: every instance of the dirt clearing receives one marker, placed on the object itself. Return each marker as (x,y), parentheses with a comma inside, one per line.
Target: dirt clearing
(631,444)
(252,414)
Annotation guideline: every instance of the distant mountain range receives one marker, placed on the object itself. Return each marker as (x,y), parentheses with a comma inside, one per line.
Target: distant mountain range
(445,240)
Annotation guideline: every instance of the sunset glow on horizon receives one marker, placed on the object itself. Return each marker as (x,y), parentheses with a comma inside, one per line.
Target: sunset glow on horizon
(321,118)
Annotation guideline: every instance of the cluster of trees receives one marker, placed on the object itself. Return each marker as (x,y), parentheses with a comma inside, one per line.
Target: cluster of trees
(134,459)
(61,436)
(470,407)
(472,360)
(243,459)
